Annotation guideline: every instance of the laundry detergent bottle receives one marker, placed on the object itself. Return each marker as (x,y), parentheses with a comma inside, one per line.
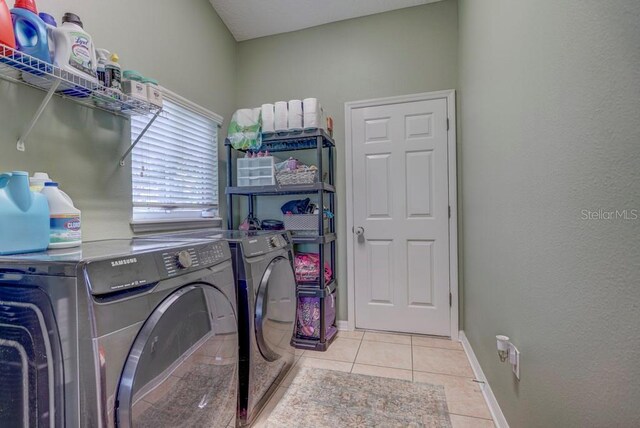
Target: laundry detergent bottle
(51,23)
(74,50)
(102,56)
(24,216)
(65,218)
(7,37)
(30,30)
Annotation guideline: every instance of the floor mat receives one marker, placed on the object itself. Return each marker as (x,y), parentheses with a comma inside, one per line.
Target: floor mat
(326,398)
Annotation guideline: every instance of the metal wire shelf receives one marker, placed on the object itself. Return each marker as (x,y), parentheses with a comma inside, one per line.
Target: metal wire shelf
(24,69)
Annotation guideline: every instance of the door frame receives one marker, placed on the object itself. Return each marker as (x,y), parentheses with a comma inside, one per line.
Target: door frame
(450,97)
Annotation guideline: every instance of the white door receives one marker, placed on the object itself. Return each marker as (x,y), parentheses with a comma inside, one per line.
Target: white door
(401,217)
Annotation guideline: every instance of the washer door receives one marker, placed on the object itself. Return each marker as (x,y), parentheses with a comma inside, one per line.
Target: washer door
(182,368)
(31,365)
(275,309)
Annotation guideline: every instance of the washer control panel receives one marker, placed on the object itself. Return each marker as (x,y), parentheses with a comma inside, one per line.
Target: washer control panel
(194,257)
(139,269)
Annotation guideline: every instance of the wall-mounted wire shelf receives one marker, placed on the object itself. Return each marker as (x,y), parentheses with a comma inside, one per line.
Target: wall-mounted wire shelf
(18,67)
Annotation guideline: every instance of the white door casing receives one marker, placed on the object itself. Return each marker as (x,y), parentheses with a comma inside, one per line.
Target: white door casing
(400,170)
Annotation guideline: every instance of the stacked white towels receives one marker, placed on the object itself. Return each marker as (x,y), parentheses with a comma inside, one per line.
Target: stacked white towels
(295,115)
(268,118)
(313,113)
(281,116)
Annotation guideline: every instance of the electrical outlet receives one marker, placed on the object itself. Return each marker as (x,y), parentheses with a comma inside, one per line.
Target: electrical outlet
(514,359)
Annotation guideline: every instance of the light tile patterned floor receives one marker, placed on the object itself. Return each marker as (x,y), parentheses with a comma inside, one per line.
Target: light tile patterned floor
(412,357)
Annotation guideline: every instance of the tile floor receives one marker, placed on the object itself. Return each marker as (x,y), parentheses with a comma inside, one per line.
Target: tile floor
(411,357)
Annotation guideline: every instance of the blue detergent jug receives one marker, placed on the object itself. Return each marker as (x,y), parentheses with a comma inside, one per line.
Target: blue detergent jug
(31,32)
(24,216)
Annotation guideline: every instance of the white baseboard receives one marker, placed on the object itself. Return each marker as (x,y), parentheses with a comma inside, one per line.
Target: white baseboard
(492,403)
(342,325)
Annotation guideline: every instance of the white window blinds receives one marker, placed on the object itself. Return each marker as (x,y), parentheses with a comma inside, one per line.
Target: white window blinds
(175,165)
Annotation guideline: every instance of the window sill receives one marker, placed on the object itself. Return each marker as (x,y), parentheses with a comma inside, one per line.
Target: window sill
(145,226)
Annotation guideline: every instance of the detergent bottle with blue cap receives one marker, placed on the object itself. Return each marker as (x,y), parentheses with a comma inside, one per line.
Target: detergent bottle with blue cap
(65,221)
(51,23)
(24,215)
(30,30)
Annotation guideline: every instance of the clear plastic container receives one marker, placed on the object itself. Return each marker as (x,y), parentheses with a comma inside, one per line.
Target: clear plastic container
(257,171)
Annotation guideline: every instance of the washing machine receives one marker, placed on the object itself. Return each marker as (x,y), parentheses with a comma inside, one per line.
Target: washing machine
(119,333)
(266,287)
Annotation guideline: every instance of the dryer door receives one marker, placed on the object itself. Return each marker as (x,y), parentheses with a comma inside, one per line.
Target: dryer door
(275,309)
(182,368)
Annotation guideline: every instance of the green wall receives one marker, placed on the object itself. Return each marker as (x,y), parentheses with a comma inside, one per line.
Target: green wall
(550,101)
(548,107)
(183,44)
(401,52)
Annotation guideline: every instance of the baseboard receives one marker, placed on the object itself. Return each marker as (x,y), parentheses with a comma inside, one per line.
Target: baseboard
(492,403)
(342,325)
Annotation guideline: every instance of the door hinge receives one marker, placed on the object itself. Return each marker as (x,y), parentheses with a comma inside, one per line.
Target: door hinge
(447,124)
(450,299)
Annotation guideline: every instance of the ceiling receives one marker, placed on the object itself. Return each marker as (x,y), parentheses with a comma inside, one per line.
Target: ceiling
(249,19)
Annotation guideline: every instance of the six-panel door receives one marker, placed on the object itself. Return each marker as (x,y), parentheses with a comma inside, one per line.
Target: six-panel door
(400,200)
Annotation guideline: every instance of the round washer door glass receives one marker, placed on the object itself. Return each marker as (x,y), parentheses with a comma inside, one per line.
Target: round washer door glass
(275,309)
(182,369)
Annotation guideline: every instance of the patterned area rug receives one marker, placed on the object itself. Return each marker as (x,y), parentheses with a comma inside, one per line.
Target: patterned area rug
(325,398)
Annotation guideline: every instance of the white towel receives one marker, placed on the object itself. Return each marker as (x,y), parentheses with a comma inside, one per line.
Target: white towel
(295,115)
(281,116)
(313,114)
(268,118)
(310,105)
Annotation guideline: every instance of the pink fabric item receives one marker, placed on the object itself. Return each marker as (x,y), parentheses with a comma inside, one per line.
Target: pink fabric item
(307,267)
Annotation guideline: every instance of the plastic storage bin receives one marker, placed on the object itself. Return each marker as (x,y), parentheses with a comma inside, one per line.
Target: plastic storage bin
(308,316)
(307,268)
(304,222)
(257,171)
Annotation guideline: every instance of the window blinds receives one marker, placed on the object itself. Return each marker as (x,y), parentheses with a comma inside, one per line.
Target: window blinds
(175,164)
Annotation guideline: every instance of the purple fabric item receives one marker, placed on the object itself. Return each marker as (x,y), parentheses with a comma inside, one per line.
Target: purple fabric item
(308,324)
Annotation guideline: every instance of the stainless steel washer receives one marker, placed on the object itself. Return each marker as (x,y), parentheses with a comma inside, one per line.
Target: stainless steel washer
(119,333)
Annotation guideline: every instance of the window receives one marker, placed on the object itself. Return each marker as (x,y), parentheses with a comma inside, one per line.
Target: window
(175,165)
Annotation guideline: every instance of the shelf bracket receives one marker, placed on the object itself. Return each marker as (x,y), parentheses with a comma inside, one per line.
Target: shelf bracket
(34,120)
(137,140)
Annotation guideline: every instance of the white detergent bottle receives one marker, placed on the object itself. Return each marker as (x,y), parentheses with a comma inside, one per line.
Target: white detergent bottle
(74,50)
(36,183)
(65,219)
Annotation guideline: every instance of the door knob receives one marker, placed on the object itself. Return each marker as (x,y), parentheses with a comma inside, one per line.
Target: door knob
(359,231)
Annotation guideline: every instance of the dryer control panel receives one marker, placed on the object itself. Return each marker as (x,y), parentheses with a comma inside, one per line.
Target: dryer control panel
(146,268)
(262,244)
